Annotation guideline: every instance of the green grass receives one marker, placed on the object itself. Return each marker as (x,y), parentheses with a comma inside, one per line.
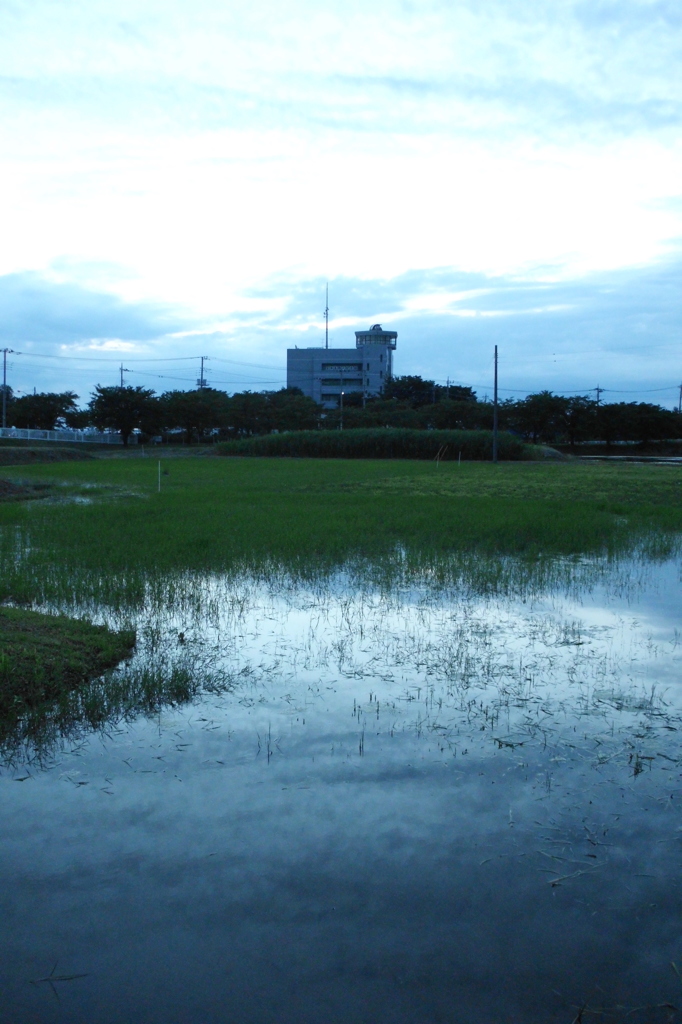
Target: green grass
(213,513)
(379,443)
(105,541)
(43,657)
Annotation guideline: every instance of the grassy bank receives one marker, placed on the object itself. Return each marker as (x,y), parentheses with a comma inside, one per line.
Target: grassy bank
(25,455)
(44,657)
(450,445)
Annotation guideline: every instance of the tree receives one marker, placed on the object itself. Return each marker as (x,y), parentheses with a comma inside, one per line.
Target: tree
(124,409)
(249,413)
(635,421)
(78,420)
(579,418)
(412,389)
(418,392)
(44,410)
(539,417)
(196,412)
(457,415)
(458,393)
(292,410)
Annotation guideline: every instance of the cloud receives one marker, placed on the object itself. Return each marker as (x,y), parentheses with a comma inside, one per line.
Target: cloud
(65,335)
(616,329)
(36,310)
(519,66)
(470,172)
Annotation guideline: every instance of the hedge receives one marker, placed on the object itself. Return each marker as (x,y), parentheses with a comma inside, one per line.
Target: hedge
(378,443)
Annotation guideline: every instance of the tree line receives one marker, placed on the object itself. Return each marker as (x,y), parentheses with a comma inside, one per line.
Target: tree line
(406,402)
(199,414)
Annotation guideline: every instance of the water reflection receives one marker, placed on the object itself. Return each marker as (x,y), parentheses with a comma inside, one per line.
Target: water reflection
(416,803)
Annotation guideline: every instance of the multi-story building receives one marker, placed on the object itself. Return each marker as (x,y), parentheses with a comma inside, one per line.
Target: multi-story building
(325,373)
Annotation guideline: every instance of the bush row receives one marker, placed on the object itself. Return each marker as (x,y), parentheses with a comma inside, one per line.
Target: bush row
(380,443)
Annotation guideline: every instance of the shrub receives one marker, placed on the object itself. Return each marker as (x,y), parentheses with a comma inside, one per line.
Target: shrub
(380,443)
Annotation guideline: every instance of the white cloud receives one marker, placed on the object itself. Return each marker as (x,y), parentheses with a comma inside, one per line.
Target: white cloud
(196,157)
(108,345)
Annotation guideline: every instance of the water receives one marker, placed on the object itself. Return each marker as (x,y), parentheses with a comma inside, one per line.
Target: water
(411,804)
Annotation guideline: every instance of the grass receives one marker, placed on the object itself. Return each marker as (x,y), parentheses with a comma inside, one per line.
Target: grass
(600,485)
(213,513)
(130,549)
(379,443)
(389,522)
(43,657)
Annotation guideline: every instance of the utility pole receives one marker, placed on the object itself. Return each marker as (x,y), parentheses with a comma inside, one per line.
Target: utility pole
(495,412)
(201,383)
(599,391)
(124,369)
(679,404)
(341,408)
(5,353)
(326,319)
(448,387)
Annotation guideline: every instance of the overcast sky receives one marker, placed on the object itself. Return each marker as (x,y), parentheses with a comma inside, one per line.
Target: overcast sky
(182,179)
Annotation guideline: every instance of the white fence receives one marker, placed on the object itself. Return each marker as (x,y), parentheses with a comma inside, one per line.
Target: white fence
(65,435)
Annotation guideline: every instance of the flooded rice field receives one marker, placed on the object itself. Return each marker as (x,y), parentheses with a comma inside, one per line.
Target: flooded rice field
(382,804)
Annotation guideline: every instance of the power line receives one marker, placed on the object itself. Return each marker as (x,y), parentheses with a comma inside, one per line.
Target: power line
(107,359)
(580,391)
(145,359)
(239,379)
(238,362)
(190,380)
(638,391)
(162,376)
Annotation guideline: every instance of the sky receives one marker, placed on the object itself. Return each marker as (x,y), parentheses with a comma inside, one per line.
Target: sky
(182,179)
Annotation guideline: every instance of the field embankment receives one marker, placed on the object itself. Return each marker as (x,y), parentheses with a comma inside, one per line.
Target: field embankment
(18,455)
(379,443)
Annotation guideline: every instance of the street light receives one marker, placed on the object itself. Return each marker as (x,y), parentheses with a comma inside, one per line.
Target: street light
(341,420)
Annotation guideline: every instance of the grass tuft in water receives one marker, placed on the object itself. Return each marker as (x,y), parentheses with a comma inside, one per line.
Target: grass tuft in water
(44,657)
(144,687)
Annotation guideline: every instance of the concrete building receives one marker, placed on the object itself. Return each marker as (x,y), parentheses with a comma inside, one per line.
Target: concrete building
(323,373)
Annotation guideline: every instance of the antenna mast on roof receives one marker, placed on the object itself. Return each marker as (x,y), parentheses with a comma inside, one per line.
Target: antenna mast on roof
(326,320)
